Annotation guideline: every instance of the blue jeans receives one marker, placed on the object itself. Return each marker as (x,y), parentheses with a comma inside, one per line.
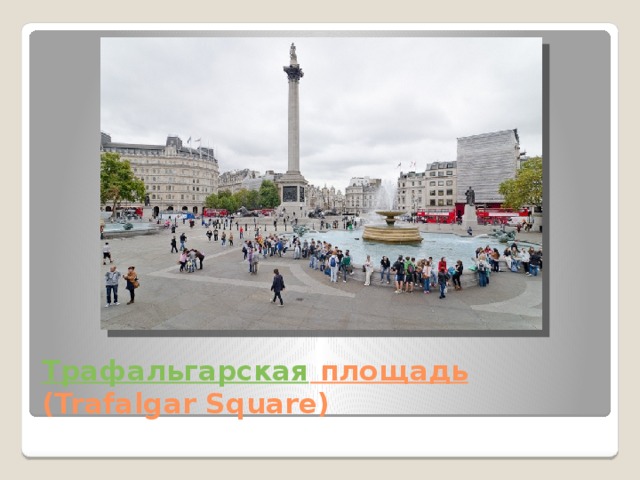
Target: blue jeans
(113,288)
(442,287)
(426,284)
(383,271)
(482,279)
(533,270)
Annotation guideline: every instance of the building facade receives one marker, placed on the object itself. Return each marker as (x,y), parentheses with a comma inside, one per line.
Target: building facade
(245,179)
(325,198)
(362,195)
(435,189)
(177,178)
(484,162)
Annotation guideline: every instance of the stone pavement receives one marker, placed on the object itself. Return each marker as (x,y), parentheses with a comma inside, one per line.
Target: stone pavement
(223,296)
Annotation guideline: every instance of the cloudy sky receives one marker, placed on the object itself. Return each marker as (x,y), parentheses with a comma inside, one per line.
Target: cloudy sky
(366,104)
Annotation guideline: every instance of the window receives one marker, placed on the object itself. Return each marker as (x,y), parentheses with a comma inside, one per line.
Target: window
(432,174)
(449,191)
(432,193)
(441,174)
(441,203)
(432,202)
(449,182)
(153,197)
(440,193)
(449,202)
(432,183)
(441,183)
(449,172)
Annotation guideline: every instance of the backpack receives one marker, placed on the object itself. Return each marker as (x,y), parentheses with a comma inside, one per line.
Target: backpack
(482,267)
(411,268)
(332,262)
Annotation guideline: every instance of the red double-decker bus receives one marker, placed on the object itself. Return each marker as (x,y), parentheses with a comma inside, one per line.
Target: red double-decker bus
(436,216)
(499,216)
(214,212)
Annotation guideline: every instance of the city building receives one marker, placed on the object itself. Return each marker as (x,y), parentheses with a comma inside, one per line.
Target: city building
(325,198)
(362,195)
(435,189)
(246,179)
(484,162)
(177,178)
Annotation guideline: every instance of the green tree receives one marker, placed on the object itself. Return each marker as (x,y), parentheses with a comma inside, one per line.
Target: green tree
(117,181)
(526,188)
(269,196)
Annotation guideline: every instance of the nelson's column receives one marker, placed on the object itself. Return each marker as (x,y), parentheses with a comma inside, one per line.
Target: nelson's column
(292,184)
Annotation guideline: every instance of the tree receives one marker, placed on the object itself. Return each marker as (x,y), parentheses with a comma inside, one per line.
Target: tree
(117,181)
(269,196)
(526,188)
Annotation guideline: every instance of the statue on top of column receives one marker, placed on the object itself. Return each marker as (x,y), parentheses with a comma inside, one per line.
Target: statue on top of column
(292,54)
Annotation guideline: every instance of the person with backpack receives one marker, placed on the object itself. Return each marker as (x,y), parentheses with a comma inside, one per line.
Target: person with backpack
(398,268)
(183,240)
(345,264)
(333,267)
(457,274)
(409,275)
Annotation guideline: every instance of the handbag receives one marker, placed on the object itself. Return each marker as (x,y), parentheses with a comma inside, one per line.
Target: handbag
(135,283)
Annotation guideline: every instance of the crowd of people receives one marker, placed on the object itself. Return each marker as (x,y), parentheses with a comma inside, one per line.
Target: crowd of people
(409,274)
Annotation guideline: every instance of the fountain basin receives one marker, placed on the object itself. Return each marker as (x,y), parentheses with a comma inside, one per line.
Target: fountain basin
(388,234)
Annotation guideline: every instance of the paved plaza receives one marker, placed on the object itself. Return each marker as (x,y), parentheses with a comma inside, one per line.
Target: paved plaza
(224,297)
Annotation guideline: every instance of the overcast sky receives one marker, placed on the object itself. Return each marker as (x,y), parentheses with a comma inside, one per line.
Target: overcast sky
(366,104)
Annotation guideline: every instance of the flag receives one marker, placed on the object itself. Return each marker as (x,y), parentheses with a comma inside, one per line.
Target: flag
(189,141)
(399,165)
(198,139)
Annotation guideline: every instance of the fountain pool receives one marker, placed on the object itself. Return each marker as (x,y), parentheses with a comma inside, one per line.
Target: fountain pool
(436,245)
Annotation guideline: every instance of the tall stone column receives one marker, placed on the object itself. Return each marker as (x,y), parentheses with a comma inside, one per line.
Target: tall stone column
(294,74)
(292,185)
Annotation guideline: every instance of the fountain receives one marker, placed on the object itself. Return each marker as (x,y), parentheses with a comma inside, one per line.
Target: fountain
(389,233)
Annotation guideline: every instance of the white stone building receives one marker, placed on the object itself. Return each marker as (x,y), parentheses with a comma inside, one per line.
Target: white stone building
(177,178)
(361,195)
(434,189)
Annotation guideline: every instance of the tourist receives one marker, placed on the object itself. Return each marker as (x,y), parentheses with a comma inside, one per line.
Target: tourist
(248,255)
(368,270)
(277,286)
(494,259)
(231,239)
(524,258)
(470,231)
(132,283)
(191,261)
(254,260)
(215,234)
(443,277)
(297,252)
(385,268)
(183,259)
(183,240)
(223,238)
(209,234)
(482,270)
(333,266)
(457,274)
(106,253)
(426,277)
(442,264)
(112,277)
(410,270)
(174,244)
(345,264)
(241,233)
(398,268)
(200,256)
(535,263)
